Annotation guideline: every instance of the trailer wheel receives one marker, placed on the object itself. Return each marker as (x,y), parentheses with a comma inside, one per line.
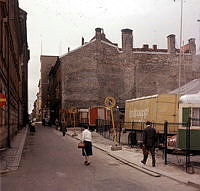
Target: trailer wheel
(132,139)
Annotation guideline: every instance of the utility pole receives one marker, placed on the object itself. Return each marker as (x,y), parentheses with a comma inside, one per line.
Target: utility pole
(180,53)
(199,34)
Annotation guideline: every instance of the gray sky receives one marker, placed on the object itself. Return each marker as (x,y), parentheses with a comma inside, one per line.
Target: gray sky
(60,24)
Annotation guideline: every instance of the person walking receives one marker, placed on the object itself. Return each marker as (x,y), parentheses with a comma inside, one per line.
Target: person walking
(43,122)
(87,140)
(149,141)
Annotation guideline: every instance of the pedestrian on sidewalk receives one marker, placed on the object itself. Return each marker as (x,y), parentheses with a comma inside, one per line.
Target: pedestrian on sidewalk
(87,140)
(56,123)
(149,142)
(43,122)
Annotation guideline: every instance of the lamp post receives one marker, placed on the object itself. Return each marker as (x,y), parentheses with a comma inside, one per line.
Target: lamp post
(73,111)
(199,34)
(8,73)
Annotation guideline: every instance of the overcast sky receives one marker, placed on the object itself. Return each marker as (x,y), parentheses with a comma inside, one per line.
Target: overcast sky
(60,24)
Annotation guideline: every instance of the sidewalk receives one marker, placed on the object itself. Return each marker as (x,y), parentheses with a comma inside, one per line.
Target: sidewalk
(10,158)
(133,156)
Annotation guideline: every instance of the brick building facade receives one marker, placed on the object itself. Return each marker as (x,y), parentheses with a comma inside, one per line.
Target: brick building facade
(100,68)
(14,57)
(47,62)
(85,76)
(55,90)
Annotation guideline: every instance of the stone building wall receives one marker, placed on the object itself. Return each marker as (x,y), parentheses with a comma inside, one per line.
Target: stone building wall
(159,73)
(89,74)
(46,63)
(14,56)
(99,69)
(24,58)
(55,91)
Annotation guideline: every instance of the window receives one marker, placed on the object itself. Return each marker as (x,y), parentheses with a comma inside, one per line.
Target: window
(196,115)
(185,114)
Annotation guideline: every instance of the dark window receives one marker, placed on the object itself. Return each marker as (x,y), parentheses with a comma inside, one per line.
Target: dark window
(186,114)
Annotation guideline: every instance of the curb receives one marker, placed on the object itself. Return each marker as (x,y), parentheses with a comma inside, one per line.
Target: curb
(15,164)
(143,169)
(20,150)
(3,172)
(193,184)
(146,171)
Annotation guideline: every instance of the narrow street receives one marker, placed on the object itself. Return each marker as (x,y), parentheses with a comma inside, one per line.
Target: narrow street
(52,162)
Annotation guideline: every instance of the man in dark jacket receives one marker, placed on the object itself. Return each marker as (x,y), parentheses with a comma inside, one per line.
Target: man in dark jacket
(149,141)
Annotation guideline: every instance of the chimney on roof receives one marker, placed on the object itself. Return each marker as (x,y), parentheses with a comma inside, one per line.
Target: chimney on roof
(98,33)
(145,46)
(68,49)
(103,36)
(127,39)
(171,41)
(155,48)
(192,46)
(82,41)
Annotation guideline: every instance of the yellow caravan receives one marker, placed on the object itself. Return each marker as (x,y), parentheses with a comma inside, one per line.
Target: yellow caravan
(156,108)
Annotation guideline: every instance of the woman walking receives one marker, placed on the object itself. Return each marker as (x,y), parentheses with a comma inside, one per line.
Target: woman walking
(87,140)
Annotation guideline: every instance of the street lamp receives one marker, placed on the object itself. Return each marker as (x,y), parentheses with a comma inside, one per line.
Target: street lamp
(199,35)
(8,73)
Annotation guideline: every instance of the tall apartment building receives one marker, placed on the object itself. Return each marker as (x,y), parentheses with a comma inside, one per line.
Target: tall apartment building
(47,62)
(55,90)
(14,57)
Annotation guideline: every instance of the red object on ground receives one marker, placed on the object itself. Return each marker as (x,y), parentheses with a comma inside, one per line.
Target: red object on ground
(2,100)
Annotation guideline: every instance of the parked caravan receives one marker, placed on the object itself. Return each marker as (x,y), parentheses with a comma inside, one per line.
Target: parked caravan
(83,117)
(97,113)
(176,110)
(156,108)
(189,107)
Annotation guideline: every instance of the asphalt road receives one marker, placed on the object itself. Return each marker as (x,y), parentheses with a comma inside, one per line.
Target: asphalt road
(51,162)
